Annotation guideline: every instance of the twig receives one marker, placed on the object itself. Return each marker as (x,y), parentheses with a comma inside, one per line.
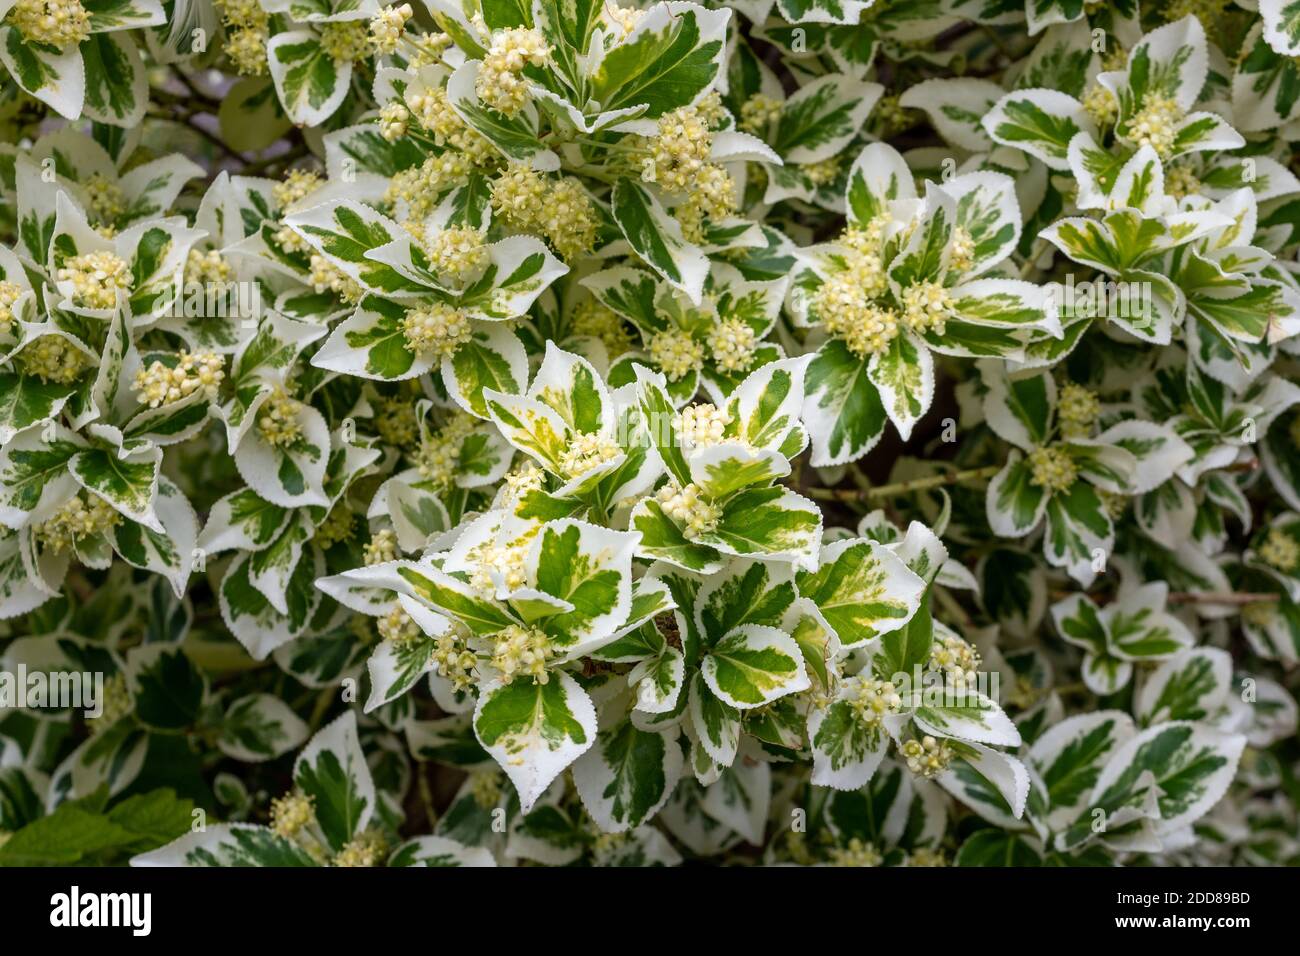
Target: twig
(905,487)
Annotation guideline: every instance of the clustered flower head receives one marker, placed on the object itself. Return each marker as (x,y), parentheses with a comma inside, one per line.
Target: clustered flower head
(501,81)
(57,23)
(690,509)
(437,329)
(559,210)
(96,278)
(78,519)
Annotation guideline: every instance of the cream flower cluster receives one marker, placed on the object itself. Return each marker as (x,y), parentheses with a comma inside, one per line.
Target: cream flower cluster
(432,109)
(345,41)
(438,456)
(690,509)
(292,813)
(1052,468)
(53,358)
(519,651)
(327,277)
(927,757)
(208,268)
(501,84)
(1280,550)
(1156,124)
(58,23)
(732,343)
(162,384)
(926,307)
(454,660)
(701,425)
(586,452)
(507,561)
(871,700)
(388,26)
(855,853)
(438,329)
(1077,410)
(77,519)
(247,32)
(277,419)
(956,659)
(457,253)
(382,547)
(10,293)
(420,187)
(676,352)
(594,319)
(678,163)
(96,278)
(398,627)
(558,209)
(106,199)
(759,112)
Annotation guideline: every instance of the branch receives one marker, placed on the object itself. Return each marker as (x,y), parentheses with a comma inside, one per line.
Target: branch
(904,487)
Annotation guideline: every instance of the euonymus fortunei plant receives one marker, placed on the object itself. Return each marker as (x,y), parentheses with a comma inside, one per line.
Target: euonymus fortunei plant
(482,432)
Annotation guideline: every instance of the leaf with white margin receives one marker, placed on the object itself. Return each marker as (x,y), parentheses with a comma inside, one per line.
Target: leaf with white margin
(1156,450)
(1006,774)
(288,475)
(663,540)
(590,568)
(741,798)
(967,714)
(862,590)
(250,616)
(754,665)
(846,751)
(1078,526)
(569,385)
(842,409)
(440,851)
(878,176)
(243,521)
(1013,503)
(117,91)
(1281,26)
(1139,628)
(955,107)
(770,523)
(332,771)
(716,724)
(1070,755)
(494,358)
(903,375)
(628,776)
(822,117)
(1192,766)
(657,238)
(670,59)
(1192,685)
(127,482)
(34,474)
(1020,408)
(346,232)
(516,137)
(310,83)
(534,731)
(1040,122)
(764,408)
(228,844)
(260,727)
(170,552)
(57,78)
